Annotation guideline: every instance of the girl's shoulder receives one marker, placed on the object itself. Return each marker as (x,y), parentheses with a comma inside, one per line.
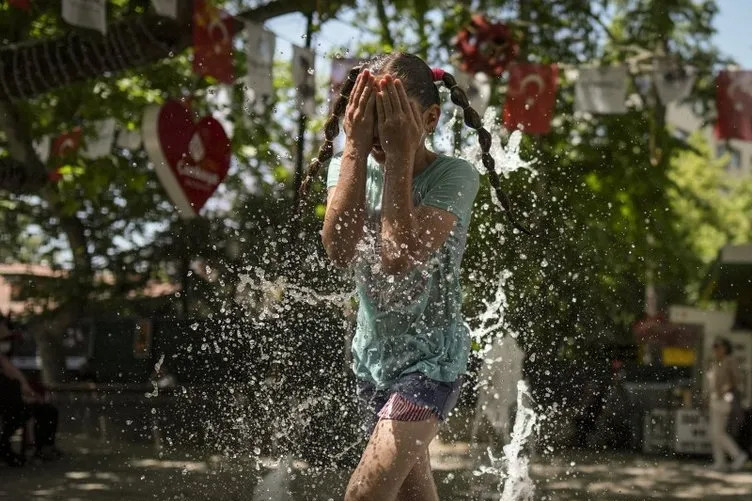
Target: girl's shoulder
(455,168)
(448,162)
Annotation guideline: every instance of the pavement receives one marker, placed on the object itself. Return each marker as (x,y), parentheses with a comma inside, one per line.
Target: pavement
(94,470)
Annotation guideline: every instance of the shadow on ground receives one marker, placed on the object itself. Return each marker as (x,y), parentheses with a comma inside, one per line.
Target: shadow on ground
(94,471)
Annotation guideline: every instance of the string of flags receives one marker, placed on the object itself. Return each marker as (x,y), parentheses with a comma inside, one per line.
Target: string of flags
(530,99)
(531,95)
(202,148)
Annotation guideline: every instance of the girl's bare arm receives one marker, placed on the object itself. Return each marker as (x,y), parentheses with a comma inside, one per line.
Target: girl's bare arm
(343,223)
(408,234)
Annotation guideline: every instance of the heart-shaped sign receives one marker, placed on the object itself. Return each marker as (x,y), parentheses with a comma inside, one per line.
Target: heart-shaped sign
(191,159)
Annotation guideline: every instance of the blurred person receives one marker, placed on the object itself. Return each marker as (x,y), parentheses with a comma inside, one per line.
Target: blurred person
(723,384)
(400,213)
(12,415)
(612,427)
(20,403)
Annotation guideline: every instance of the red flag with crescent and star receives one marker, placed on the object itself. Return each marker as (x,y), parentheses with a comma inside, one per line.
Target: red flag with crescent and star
(63,146)
(213,29)
(531,96)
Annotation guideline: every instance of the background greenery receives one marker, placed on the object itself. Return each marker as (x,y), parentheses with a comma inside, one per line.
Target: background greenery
(619,203)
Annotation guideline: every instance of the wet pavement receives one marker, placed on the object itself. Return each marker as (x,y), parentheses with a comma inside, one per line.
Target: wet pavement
(92,470)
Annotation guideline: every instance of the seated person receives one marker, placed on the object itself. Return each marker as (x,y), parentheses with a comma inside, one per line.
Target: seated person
(21,402)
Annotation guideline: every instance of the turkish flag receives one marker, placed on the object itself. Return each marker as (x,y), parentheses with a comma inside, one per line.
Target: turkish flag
(530,97)
(212,41)
(66,144)
(20,4)
(733,100)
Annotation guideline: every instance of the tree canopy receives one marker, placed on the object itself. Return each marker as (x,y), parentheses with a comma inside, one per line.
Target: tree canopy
(618,202)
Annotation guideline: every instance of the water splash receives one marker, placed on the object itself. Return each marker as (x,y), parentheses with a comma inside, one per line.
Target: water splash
(510,470)
(517,485)
(268,298)
(275,485)
(273,297)
(507,159)
(492,318)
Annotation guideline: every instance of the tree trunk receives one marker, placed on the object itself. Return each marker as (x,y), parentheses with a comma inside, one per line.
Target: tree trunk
(47,331)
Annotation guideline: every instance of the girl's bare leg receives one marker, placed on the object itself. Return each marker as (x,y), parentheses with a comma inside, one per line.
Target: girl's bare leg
(419,484)
(394,449)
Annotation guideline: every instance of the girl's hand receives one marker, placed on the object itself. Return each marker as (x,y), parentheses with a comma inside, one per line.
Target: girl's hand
(360,112)
(399,120)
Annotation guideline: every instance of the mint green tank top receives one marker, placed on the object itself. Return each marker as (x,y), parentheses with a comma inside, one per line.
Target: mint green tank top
(412,322)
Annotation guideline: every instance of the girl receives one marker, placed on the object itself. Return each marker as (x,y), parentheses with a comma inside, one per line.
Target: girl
(399,213)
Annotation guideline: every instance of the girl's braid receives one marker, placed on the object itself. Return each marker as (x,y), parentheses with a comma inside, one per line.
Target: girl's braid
(331,131)
(472,119)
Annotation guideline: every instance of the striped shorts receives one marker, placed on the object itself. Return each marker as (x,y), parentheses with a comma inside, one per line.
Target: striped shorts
(413,397)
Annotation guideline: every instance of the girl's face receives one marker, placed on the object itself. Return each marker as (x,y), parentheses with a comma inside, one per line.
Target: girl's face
(430,118)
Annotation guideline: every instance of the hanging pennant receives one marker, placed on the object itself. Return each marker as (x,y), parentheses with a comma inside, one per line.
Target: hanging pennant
(128,139)
(304,78)
(212,42)
(191,159)
(673,82)
(99,144)
(733,98)
(20,4)
(166,8)
(477,87)
(42,147)
(601,90)
(531,96)
(220,101)
(259,51)
(341,67)
(91,14)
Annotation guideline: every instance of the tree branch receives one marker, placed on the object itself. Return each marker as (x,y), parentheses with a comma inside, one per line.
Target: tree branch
(386,35)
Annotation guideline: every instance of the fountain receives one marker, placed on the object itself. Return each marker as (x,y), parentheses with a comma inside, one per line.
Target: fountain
(501,384)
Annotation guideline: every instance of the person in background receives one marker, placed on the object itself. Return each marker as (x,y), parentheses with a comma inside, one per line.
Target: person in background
(20,403)
(723,379)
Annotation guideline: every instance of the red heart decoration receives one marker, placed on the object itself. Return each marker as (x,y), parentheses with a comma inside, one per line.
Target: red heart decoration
(191,159)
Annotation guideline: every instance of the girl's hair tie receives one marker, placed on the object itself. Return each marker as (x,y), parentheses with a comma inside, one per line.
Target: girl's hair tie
(438,74)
